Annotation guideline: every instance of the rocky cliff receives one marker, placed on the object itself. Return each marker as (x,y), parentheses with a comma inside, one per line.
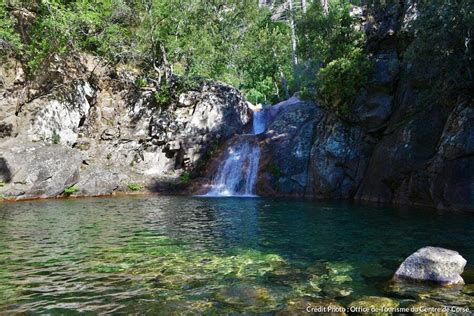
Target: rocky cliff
(88,129)
(389,149)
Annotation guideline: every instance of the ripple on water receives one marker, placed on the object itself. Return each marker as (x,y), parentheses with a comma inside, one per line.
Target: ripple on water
(169,254)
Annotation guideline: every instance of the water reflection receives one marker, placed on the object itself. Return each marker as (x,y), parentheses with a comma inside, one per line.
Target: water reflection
(134,254)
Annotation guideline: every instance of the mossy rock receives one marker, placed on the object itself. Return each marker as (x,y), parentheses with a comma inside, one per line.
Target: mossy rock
(319,268)
(468,289)
(313,306)
(242,296)
(373,305)
(287,275)
(336,290)
(427,308)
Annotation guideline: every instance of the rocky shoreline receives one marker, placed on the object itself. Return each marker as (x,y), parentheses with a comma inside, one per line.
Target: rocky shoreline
(89,129)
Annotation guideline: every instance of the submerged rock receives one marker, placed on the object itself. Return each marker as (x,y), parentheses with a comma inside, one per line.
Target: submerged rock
(434,264)
(373,305)
(243,295)
(468,289)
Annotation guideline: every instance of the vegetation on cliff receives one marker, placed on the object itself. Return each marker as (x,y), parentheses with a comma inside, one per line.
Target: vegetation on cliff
(267,51)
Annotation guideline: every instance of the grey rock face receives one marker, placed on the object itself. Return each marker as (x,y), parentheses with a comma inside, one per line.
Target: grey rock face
(286,148)
(339,158)
(37,170)
(439,265)
(102,133)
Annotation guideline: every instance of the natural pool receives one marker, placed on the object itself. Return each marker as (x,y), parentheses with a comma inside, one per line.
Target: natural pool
(167,255)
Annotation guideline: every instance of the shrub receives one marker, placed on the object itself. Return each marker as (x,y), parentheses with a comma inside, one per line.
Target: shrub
(135,187)
(335,45)
(56,138)
(341,79)
(185,178)
(71,190)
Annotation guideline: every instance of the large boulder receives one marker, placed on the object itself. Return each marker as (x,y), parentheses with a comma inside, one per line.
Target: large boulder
(37,170)
(433,264)
(286,147)
(339,158)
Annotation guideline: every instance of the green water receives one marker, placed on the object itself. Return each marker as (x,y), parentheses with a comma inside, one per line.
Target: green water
(165,255)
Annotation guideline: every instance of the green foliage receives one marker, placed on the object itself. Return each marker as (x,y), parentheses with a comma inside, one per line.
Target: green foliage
(341,79)
(2,184)
(275,170)
(335,48)
(71,190)
(140,83)
(56,138)
(442,49)
(135,187)
(185,177)
(163,95)
(10,41)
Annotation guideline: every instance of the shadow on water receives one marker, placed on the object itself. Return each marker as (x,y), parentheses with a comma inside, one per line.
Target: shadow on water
(135,254)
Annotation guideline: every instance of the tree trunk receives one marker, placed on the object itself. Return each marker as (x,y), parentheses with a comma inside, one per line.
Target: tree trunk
(325,6)
(303,6)
(293,32)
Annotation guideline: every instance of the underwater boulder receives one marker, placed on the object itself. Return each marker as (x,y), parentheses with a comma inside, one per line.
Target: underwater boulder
(433,264)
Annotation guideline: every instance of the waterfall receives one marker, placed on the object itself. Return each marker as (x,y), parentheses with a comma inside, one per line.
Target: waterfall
(237,173)
(259,122)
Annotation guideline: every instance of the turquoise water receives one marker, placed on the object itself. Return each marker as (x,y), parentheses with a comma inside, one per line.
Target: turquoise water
(205,255)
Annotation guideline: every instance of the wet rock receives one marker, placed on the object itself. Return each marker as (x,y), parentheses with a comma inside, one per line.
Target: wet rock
(288,275)
(468,289)
(373,305)
(319,268)
(339,157)
(286,147)
(336,290)
(243,295)
(433,264)
(314,306)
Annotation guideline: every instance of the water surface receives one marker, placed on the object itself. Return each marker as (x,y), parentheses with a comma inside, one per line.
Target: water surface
(173,254)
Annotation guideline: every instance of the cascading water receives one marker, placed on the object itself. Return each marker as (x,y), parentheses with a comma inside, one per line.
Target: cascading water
(259,122)
(237,174)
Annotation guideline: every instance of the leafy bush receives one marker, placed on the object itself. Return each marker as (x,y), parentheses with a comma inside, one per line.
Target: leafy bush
(334,43)
(135,187)
(71,190)
(185,178)
(163,95)
(442,50)
(341,79)
(56,138)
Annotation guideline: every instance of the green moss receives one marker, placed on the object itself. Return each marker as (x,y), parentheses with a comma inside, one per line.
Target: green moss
(71,190)
(185,178)
(56,138)
(275,170)
(135,187)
